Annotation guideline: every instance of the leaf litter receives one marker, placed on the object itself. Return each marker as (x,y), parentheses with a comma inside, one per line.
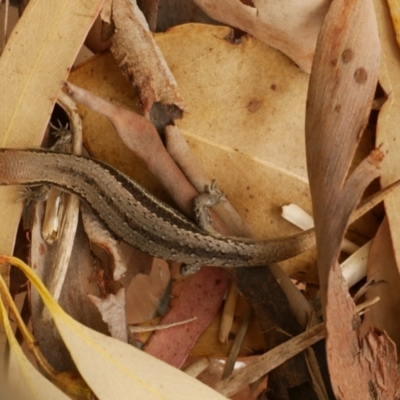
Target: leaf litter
(244,114)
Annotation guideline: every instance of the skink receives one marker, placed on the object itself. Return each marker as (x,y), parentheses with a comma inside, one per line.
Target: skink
(134,215)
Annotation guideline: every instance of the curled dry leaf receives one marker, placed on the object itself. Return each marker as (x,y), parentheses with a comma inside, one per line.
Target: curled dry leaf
(290,26)
(140,59)
(342,85)
(67,216)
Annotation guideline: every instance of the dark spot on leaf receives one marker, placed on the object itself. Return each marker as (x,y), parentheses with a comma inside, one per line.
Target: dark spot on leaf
(254,105)
(360,75)
(347,55)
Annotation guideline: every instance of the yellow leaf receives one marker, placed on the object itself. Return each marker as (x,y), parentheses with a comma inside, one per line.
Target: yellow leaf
(19,379)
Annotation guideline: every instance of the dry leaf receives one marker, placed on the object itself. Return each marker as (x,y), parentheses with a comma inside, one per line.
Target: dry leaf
(140,59)
(98,234)
(341,62)
(290,26)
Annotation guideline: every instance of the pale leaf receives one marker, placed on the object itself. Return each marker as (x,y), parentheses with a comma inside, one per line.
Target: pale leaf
(20,379)
(37,57)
